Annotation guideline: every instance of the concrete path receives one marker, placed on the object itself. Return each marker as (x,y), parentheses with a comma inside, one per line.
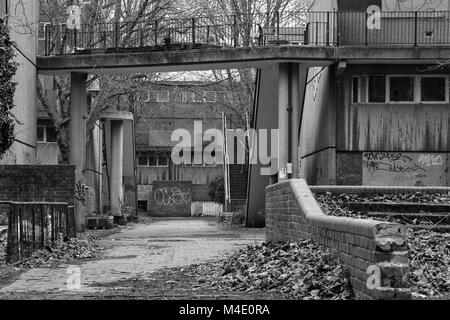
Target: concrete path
(136,252)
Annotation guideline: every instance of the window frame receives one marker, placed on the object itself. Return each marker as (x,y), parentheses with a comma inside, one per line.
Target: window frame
(359,90)
(416,98)
(417,88)
(214,100)
(447,88)
(196,96)
(158,96)
(155,154)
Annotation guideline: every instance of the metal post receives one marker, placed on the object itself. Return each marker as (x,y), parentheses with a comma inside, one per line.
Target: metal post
(278,27)
(193,30)
(75,33)
(235,30)
(116,35)
(415,28)
(156,33)
(366,35)
(328,28)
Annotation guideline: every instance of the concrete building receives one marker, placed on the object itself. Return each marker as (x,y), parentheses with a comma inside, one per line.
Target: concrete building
(179,105)
(22,17)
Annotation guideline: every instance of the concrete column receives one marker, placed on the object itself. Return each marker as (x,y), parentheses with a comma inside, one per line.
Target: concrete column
(116,175)
(97,153)
(78,103)
(283,119)
(23,24)
(295,119)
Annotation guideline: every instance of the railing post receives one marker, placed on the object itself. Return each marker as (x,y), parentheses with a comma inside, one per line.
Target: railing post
(415,28)
(235,31)
(337,26)
(193,30)
(328,28)
(116,35)
(278,27)
(156,33)
(306,37)
(75,34)
(47,42)
(366,33)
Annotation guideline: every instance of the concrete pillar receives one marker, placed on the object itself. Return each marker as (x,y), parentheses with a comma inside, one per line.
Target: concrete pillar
(23,24)
(283,120)
(295,117)
(78,103)
(98,157)
(116,174)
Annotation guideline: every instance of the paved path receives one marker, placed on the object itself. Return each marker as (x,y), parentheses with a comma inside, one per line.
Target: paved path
(138,251)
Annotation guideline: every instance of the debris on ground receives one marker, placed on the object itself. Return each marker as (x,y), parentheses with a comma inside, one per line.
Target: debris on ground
(302,270)
(429,251)
(84,246)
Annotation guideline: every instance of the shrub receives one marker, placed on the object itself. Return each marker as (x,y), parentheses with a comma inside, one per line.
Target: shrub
(217,190)
(7,88)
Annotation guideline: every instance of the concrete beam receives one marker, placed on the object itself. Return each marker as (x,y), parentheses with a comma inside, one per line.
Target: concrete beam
(187,60)
(253,57)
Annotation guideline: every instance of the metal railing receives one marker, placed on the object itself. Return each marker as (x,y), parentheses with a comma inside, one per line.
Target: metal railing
(287,28)
(35,225)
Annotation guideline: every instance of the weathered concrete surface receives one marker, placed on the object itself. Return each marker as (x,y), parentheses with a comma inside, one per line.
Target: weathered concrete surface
(135,253)
(222,58)
(185,60)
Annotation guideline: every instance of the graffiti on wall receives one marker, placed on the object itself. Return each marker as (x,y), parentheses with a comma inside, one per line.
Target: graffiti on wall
(415,5)
(404,169)
(171,199)
(171,196)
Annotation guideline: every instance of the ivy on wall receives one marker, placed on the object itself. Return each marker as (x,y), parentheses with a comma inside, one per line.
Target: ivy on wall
(7,88)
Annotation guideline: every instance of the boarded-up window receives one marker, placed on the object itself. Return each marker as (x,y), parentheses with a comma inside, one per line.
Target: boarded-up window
(433,88)
(377,89)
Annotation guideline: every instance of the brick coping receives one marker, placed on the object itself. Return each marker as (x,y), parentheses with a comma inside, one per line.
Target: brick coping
(378,189)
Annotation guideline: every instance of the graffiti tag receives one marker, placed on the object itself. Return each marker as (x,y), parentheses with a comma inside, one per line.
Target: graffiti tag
(430,160)
(171,197)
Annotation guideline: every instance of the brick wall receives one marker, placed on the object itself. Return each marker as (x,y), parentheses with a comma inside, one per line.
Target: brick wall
(349,168)
(37,183)
(292,213)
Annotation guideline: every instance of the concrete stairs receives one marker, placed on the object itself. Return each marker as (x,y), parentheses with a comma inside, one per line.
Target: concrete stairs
(431,216)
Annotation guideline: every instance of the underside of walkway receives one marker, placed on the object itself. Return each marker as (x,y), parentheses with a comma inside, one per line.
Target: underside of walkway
(244,57)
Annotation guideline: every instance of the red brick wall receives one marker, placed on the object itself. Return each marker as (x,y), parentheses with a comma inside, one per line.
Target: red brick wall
(37,183)
(292,213)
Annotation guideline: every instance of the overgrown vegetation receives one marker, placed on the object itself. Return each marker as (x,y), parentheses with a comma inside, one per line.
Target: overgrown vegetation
(217,190)
(7,88)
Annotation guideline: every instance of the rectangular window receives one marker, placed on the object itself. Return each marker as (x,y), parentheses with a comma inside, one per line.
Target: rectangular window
(163,160)
(152,159)
(355,88)
(162,96)
(41,134)
(433,89)
(377,89)
(184,96)
(142,160)
(210,96)
(51,134)
(401,89)
(198,97)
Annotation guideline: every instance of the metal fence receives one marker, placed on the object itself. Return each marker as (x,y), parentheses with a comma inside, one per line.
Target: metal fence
(287,28)
(35,225)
